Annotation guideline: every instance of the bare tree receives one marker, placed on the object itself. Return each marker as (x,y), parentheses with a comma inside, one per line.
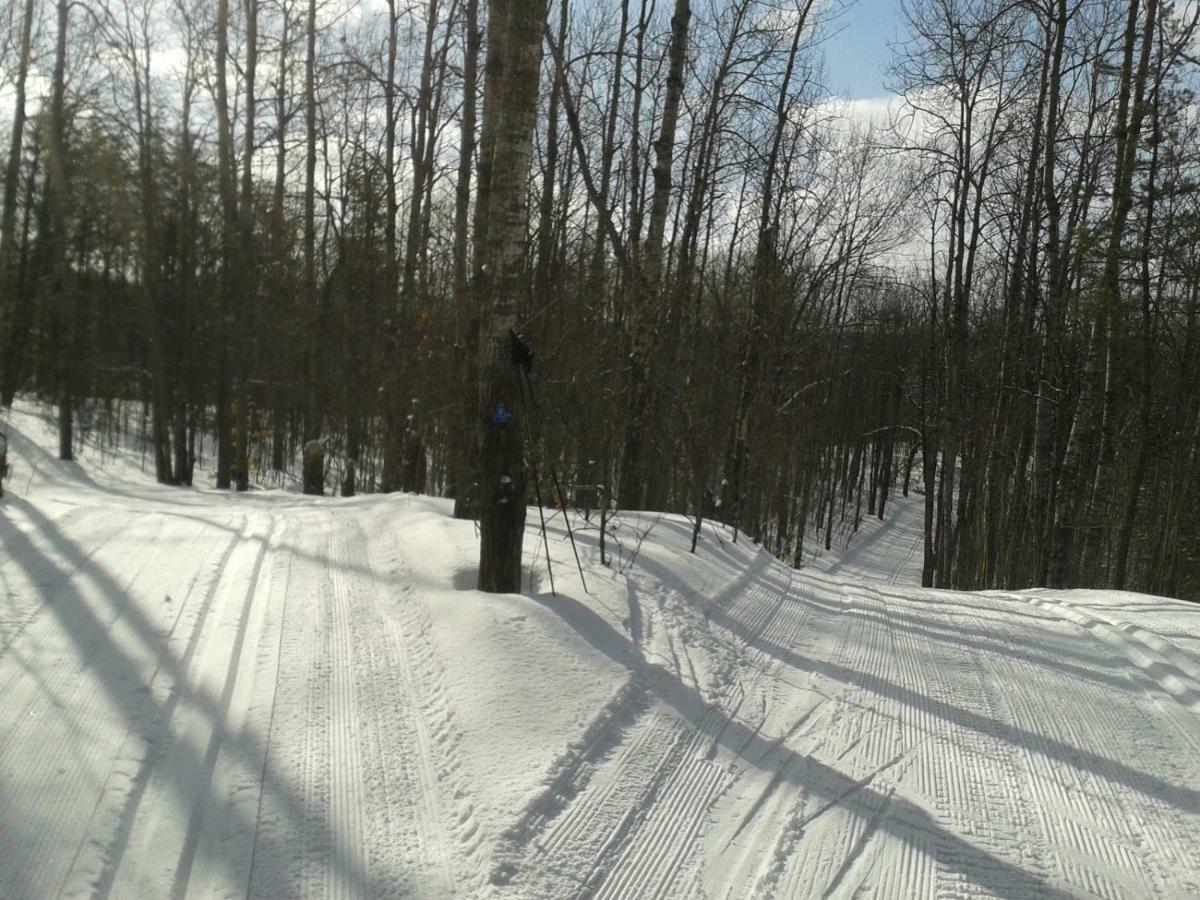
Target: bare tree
(649,262)
(64,331)
(18,307)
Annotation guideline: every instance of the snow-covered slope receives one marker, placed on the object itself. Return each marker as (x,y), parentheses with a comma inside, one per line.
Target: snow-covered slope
(269,695)
(891,550)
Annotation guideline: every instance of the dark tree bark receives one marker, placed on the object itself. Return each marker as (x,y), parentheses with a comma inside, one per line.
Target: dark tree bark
(764,284)
(510,111)
(279,436)
(63,317)
(643,334)
(316,380)
(464,453)
(227,282)
(246,260)
(17,306)
(1087,427)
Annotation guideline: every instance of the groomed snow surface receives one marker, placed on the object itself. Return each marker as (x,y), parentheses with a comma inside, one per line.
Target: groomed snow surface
(207,694)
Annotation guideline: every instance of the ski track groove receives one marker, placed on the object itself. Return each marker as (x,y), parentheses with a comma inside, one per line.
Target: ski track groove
(1149,653)
(81,700)
(347,773)
(610,790)
(662,839)
(317,853)
(265,707)
(1062,792)
(447,824)
(351,697)
(792,854)
(652,846)
(25,607)
(917,544)
(240,605)
(58,763)
(574,823)
(362,744)
(667,834)
(166,688)
(286,852)
(46,631)
(862,745)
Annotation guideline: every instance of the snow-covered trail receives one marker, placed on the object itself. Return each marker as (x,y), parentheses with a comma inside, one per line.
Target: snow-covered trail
(895,743)
(270,695)
(213,698)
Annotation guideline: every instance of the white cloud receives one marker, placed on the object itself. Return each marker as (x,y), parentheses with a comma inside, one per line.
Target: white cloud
(167,61)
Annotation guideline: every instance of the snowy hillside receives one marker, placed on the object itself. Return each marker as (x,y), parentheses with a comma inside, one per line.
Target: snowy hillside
(208,694)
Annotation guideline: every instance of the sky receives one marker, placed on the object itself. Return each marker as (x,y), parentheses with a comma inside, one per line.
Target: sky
(857,51)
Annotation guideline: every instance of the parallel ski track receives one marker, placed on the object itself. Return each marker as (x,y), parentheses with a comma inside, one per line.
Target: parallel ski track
(918,544)
(1008,800)
(119,814)
(947,742)
(862,743)
(961,778)
(362,728)
(1002,811)
(977,792)
(240,611)
(657,857)
(631,827)
(819,618)
(446,828)
(1131,837)
(580,823)
(38,632)
(1174,671)
(886,554)
(293,847)
(1062,793)
(24,593)
(669,818)
(351,721)
(122,626)
(566,839)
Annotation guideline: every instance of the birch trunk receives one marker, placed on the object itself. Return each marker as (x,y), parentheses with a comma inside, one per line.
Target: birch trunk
(510,111)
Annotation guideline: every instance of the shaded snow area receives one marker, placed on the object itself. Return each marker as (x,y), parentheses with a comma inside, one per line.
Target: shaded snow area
(270,695)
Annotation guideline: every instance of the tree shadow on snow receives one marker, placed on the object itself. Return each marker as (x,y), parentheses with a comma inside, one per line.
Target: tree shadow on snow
(122,677)
(905,820)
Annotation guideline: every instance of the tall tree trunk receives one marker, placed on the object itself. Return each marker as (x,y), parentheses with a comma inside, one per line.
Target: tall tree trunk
(247,260)
(279,244)
(227,284)
(15,306)
(152,294)
(1003,519)
(316,373)
(1094,397)
(394,371)
(510,112)
(187,371)
(63,316)
(1145,439)
(420,138)
(543,281)
(763,285)
(609,149)
(463,455)
(389,154)
(649,271)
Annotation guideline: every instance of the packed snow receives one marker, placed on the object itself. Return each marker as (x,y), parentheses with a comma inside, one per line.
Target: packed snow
(210,694)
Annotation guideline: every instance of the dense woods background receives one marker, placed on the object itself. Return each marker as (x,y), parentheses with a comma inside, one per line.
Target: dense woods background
(250,224)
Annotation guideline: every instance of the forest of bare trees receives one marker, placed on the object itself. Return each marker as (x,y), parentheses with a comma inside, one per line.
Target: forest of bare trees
(236,226)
